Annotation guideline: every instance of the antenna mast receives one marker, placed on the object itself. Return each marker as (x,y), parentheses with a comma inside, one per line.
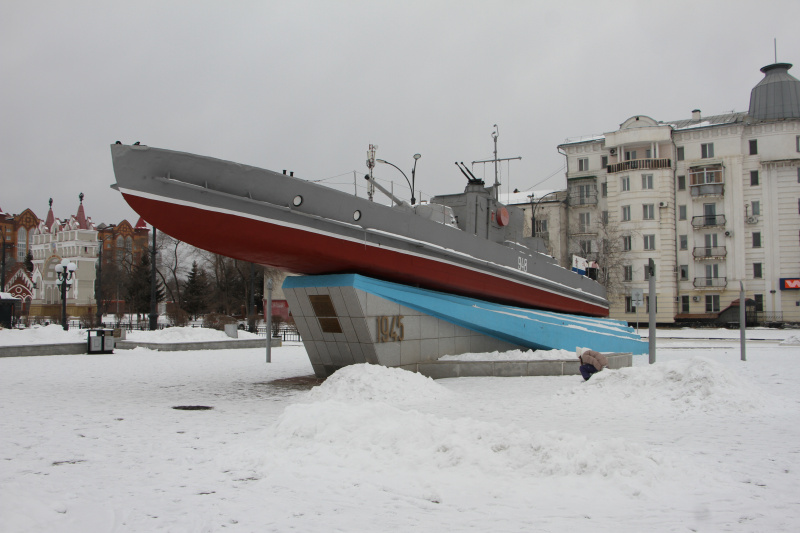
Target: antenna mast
(370,166)
(496,186)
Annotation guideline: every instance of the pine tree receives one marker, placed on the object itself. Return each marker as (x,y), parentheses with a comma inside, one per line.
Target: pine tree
(195,292)
(29,262)
(137,291)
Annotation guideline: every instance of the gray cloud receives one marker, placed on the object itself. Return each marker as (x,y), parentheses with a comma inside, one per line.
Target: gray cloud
(306,86)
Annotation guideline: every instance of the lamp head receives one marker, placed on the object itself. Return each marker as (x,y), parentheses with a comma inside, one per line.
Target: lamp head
(59,268)
(417,156)
(72,267)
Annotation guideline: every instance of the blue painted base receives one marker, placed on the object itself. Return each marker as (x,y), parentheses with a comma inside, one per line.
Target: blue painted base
(540,330)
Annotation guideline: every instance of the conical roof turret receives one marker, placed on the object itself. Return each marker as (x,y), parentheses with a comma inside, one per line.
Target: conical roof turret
(777,96)
(50,217)
(81,216)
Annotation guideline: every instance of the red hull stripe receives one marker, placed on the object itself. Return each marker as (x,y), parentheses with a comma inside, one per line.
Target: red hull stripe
(301,251)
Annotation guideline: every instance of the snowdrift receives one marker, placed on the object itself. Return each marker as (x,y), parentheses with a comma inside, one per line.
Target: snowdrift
(688,385)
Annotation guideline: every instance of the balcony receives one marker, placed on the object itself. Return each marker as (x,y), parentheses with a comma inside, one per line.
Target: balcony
(639,164)
(709,252)
(576,198)
(706,181)
(708,221)
(710,283)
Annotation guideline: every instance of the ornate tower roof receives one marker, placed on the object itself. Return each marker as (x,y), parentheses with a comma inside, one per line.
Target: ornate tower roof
(81,216)
(50,217)
(777,96)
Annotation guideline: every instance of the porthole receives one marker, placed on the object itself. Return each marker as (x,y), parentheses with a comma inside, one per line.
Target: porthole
(357,215)
(297,201)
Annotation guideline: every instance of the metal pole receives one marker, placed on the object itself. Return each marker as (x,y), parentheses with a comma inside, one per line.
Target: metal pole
(251,303)
(3,279)
(742,321)
(153,302)
(495,135)
(652,309)
(99,295)
(268,316)
(64,301)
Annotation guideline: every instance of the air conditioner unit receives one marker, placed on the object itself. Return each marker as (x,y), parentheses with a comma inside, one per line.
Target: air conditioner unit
(695,298)
(752,220)
(613,151)
(662,204)
(728,233)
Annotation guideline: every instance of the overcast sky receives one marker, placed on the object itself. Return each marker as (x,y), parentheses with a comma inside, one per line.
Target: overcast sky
(307,86)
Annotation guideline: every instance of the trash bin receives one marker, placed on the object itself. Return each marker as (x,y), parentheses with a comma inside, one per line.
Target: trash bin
(101,341)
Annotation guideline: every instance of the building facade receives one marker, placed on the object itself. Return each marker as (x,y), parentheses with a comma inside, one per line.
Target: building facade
(75,239)
(714,201)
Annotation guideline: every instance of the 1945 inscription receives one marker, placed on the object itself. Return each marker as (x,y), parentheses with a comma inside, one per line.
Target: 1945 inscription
(390,328)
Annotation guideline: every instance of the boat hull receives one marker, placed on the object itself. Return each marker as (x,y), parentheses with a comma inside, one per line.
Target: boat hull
(191,198)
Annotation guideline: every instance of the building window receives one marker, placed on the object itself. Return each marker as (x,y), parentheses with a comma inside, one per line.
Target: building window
(605,218)
(630,155)
(584,221)
(681,212)
(648,211)
(756,239)
(753,146)
(586,247)
(626,183)
(707,150)
(583,164)
(626,243)
(756,207)
(759,298)
(627,273)
(684,240)
(647,181)
(753,178)
(603,161)
(541,226)
(680,153)
(604,189)
(798,146)
(684,304)
(647,271)
(626,213)
(649,242)
(681,183)
(712,303)
(757,271)
(629,308)
(684,272)
(22,242)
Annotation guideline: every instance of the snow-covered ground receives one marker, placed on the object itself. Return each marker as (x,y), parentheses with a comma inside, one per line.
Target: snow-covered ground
(700,441)
(55,334)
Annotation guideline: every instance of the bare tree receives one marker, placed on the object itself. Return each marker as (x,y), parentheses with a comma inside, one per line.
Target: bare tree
(171,264)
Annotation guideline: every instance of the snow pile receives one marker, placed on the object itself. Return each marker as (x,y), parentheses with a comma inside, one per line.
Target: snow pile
(185,334)
(52,334)
(377,437)
(794,340)
(352,429)
(513,355)
(365,382)
(696,384)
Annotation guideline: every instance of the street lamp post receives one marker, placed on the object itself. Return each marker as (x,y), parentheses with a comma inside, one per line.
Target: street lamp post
(65,271)
(533,211)
(413,181)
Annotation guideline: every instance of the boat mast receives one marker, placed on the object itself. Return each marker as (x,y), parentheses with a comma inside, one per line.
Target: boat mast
(370,166)
(496,186)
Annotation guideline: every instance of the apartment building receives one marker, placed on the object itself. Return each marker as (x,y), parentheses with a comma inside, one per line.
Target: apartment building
(714,201)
